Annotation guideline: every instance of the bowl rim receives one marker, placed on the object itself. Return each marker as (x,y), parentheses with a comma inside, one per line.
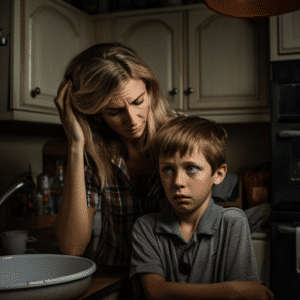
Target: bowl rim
(42,283)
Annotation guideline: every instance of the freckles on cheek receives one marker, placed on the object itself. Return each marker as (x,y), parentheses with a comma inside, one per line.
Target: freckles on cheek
(113,122)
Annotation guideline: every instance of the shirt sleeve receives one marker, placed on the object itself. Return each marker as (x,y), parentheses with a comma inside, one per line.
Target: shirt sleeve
(146,252)
(240,258)
(92,186)
(94,199)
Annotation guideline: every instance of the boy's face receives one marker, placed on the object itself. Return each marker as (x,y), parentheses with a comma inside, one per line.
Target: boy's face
(188,181)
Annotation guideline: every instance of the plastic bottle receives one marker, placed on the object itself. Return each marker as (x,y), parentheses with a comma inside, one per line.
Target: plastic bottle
(38,203)
(45,191)
(37,196)
(57,186)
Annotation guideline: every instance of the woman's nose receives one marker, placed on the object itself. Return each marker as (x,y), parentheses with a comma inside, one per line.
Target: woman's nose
(131,117)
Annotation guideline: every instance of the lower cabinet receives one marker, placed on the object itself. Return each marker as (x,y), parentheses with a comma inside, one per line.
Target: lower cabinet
(261,246)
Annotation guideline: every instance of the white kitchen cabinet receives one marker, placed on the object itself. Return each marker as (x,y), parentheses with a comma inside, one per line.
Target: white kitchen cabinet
(227,64)
(158,39)
(44,36)
(207,64)
(285,36)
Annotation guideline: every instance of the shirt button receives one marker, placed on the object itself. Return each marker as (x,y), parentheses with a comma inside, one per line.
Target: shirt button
(184,268)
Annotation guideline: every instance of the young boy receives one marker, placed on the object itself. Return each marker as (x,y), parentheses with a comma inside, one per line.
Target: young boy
(194,249)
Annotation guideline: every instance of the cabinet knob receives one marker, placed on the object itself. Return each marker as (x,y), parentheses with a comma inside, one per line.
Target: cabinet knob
(189,91)
(174,92)
(35,92)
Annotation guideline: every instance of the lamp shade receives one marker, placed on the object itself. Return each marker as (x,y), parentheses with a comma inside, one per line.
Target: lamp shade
(252,8)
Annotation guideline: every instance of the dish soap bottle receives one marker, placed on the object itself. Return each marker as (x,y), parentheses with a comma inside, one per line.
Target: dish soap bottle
(45,191)
(57,185)
(37,196)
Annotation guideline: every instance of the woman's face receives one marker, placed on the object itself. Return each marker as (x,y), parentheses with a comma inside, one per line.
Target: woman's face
(127,112)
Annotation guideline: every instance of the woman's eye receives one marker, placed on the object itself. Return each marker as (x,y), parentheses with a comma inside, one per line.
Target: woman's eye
(192,169)
(167,170)
(113,113)
(138,102)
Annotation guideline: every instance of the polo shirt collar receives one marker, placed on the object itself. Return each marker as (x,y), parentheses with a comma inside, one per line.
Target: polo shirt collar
(210,221)
(208,224)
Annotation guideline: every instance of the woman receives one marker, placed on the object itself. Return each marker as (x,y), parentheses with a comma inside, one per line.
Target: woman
(110,105)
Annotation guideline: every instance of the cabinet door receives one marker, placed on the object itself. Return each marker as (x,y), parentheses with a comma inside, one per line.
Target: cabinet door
(289,33)
(47,37)
(285,36)
(157,39)
(227,63)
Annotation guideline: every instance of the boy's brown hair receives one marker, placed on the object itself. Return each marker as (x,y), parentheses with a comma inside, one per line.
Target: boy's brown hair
(186,134)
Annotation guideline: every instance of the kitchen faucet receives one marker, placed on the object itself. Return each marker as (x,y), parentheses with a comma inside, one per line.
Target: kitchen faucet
(25,184)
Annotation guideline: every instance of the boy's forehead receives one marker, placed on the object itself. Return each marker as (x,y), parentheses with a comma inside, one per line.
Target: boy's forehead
(191,154)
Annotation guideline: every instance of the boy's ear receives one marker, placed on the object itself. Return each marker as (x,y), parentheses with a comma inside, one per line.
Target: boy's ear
(220,174)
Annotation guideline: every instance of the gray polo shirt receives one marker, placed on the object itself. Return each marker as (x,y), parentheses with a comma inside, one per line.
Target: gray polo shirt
(220,249)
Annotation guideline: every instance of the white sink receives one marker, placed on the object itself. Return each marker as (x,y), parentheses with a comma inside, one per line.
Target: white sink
(44,276)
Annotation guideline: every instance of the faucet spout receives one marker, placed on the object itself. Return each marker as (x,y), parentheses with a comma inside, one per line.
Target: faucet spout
(25,184)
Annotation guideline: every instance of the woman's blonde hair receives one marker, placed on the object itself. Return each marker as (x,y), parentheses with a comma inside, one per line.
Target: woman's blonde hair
(188,134)
(97,73)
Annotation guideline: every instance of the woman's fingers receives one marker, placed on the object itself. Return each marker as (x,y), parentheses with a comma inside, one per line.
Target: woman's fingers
(59,100)
(61,85)
(67,116)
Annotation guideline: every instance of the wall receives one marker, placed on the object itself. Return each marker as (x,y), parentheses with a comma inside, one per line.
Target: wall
(248,146)
(22,145)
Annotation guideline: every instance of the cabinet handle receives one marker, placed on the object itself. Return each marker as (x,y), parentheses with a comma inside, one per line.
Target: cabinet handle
(289,133)
(189,91)
(35,92)
(174,92)
(286,229)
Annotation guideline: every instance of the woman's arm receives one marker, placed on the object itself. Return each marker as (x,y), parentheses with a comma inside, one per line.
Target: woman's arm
(75,219)
(155,287)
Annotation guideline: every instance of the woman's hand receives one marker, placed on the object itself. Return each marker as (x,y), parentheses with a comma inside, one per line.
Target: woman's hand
(70,123)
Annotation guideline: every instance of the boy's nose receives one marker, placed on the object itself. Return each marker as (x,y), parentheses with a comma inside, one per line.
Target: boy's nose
(179,180)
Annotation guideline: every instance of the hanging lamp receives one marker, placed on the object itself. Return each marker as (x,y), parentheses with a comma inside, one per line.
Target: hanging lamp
(252,8)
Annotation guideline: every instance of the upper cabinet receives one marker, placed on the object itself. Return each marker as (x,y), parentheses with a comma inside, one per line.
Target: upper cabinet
(157,38)
(207,64)
(44,36)
(227,65)
(285,36)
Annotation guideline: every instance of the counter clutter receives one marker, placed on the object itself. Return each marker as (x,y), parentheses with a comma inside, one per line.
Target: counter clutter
(105,283)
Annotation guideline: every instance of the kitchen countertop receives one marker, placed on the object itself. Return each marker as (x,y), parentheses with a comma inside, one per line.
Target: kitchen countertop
(262,234)
(105,282)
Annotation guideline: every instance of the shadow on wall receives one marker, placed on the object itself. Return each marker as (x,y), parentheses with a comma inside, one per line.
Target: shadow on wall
(248,146)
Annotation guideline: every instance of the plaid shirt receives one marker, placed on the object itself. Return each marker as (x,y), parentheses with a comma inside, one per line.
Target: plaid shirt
(118,207)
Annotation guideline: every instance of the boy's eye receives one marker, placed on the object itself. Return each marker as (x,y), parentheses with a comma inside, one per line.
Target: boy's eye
(192,169)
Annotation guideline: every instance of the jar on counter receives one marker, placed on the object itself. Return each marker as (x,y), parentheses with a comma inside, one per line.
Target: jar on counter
(44,190)
(57,185)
